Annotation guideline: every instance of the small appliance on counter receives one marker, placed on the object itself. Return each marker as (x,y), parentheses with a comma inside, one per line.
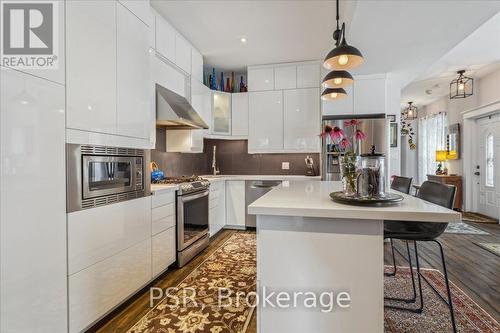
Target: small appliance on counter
(310,166)
(156,173)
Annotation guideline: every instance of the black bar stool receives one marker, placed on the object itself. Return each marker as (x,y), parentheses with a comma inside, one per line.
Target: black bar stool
(440,194)
(401,184)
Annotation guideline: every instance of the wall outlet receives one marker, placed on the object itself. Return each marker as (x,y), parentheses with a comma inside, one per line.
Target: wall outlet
(285,165)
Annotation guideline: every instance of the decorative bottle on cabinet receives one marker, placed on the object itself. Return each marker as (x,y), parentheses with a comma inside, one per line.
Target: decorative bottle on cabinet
(213,84)
(232,88)
(221,85)
(243,88)
(228,86)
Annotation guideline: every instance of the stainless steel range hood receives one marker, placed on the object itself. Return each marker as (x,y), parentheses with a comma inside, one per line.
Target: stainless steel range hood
(175,112)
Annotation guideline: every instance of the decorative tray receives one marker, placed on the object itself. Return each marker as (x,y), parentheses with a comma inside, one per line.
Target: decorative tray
(389,198)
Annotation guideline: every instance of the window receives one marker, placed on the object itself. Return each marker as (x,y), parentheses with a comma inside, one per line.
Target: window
(489,161)
(431,137)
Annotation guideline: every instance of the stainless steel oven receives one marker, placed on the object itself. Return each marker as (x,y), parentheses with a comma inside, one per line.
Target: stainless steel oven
(192,220)
(98,175)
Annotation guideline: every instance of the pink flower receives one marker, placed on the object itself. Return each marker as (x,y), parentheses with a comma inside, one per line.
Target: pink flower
(352,122)
(326,131)
(337,133)
(344,143)
(360,135)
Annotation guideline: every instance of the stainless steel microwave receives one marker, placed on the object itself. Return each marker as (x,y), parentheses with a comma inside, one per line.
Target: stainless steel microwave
(99,175)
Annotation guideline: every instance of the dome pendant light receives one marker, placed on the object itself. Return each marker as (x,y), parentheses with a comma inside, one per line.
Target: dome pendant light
(344,56)
(333,94)
(337,79)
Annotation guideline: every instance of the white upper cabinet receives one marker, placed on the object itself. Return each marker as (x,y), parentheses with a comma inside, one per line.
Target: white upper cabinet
(369,94)
(221,113)
(140,8)
(196,65)
(135,112)
(169,77)
(239,114)
(301,115)
(260,78)
(182,53)
(343,106)
(165,38)
(91,65)
(308,75)
(285,77)
(265,132)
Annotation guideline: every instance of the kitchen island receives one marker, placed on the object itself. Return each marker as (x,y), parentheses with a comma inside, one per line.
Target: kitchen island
(308,243)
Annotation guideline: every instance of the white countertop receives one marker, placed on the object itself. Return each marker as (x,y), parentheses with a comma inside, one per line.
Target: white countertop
(172,187)
(261,177)
(311,199)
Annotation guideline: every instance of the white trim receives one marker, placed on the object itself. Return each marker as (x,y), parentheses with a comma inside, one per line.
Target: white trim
(482,110)
(469,126)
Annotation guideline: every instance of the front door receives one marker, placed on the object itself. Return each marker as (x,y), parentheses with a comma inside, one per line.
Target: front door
(487,171)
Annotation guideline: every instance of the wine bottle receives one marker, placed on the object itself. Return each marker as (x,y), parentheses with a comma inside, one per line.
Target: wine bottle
(227,88)
(214,80)
(232,82)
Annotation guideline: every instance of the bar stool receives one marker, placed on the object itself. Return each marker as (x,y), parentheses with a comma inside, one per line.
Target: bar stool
(440,194)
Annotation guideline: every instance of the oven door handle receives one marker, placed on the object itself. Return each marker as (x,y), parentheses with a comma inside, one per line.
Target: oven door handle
(188,198)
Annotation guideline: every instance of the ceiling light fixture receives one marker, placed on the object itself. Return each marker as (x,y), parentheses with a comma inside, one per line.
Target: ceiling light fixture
(333,94)
(343,56)
(337,79)
(462,86)
(411,112)
(243,40)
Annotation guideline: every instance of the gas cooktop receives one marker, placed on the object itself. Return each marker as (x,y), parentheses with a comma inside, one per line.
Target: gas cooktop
(187,184)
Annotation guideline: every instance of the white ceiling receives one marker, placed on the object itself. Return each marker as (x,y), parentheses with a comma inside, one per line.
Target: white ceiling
(277,31)
(478,54)
(401,37)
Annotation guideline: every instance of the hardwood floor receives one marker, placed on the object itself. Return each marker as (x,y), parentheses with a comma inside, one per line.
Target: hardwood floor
(475,270)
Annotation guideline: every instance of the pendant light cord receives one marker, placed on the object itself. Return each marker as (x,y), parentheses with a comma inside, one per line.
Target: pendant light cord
(337,34)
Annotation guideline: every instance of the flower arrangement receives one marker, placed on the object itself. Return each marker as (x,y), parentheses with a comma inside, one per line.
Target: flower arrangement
(346,148)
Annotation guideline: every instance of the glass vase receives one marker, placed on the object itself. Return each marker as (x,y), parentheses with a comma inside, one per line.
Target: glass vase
(348,173)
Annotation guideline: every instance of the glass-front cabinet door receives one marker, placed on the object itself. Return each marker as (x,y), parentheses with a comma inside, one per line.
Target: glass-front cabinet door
(221,113)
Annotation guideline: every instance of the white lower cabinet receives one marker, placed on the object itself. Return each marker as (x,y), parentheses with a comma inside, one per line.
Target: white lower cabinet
(265,132)
(217,207)
(163,251)
(235,203)
(301,119)
(98,233)
(33,295)
(99,288)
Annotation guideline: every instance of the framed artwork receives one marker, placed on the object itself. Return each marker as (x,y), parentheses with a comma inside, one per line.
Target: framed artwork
(394,135)
(392,118)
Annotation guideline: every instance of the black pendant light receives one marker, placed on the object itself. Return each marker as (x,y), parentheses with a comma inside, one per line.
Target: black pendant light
(333,94)
(337,79)
(343,56)
(410,113)
(462,86)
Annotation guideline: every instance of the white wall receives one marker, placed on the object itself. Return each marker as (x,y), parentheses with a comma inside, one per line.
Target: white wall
(393,97)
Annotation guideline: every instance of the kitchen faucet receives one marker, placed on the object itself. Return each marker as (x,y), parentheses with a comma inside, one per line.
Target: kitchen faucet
(214,163)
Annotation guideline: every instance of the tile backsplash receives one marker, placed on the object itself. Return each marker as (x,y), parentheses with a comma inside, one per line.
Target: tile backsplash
(232,159)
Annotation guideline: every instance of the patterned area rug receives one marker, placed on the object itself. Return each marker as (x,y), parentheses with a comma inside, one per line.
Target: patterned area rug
(491,247)
(435,317)
(232,266)
(464,229)
(475,217)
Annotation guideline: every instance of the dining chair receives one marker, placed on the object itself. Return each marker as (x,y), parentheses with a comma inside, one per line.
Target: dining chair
(442,195)
(401,184)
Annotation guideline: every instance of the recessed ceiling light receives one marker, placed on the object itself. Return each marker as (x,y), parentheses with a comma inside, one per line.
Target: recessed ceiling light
(243,40)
